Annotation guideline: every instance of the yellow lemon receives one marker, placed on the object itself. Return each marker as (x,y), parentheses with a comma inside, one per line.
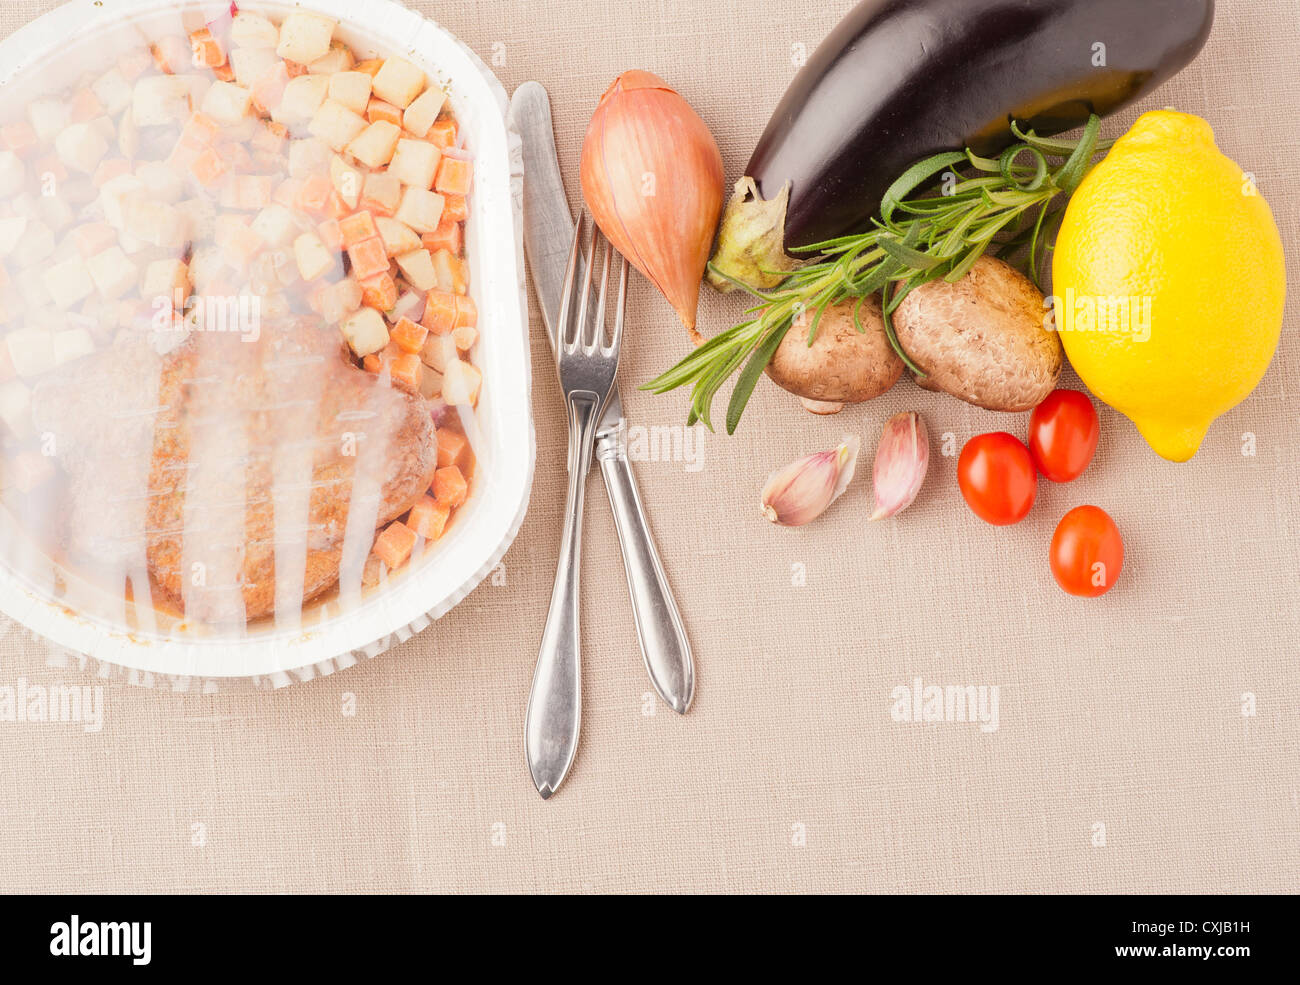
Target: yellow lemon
(1169,281)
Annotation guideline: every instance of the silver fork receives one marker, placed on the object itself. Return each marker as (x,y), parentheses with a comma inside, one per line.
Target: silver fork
(587,367)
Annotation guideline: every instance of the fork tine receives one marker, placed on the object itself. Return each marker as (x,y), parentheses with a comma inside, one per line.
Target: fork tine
(580,330)
(597,335)
(570,278)
(617,338)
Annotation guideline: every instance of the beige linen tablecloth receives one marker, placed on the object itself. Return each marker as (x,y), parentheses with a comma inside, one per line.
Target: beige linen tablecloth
(1147,741)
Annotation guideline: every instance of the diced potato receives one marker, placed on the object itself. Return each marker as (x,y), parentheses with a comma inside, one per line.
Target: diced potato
(80,147)
(312,257)
(347,181)
(31,350)
(275,224)
(163,278)
(68,282)
(37,246)
(460,383)
(374,146)
(12,173)
(337,59)
(420,209)
(365,331)
(335,124)
(339,300)
(438,351)
(381,193)
(113,91)
(113,272)
(70,344)
(417,266)
(398,82)
(163,182)
(11,233)
(444,265)
(249,30)
(161,99)
(250,64)
(420,115)
(308,156)
(352,89)
(415,163)
(305,37)
(302,97)
(115,195)
(398,237)
(16,403)
(227,103)
(48,117)
(157,223)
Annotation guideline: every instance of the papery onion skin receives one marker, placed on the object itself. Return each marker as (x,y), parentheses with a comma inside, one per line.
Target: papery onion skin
(652,177)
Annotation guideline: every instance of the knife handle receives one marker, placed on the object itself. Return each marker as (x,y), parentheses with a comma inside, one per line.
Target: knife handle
(664,645)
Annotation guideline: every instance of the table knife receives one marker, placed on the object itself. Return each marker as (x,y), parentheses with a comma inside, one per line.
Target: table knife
(548,231)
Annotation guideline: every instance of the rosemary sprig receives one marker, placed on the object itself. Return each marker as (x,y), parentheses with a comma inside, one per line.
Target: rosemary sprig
(1009,205)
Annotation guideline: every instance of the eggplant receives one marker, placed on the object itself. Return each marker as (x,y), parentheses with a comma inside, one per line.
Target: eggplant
(900,80)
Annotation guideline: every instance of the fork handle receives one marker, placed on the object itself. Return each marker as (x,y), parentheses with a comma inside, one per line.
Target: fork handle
(554,714)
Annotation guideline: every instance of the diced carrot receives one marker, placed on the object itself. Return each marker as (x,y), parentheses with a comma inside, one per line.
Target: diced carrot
(93,237)
(446,237)
(451,447)
(442,133)
(408,334)
(205,50)
(237,240)
(251,191)
(459,275)
(314,194)
(110,169)
(134,63)
(224,73)
(85,106)
(377,110)
(337,208)
(465,337)
(294,69)
(379,291)
(449,486)
(394,545)
(370,66)
(372,363)
(199,131)
(330,234)
(357,227)
(19,136)
(235,155)
(208,167)
(407,370)
(368,258)
(466,312)
(454,176)
(454,208)
(429,518)
(439,312)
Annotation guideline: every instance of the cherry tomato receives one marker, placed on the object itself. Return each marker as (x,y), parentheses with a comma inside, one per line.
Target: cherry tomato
(997,478)
(1063,435)
(1087,552)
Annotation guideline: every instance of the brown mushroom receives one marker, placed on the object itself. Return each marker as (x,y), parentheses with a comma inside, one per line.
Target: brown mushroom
(843,365)
(985,339)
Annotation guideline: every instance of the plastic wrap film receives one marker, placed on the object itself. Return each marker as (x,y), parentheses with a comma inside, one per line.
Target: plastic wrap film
(263,362)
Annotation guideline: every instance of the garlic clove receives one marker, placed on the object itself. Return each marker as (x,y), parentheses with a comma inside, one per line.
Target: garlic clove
(801,492)
(902,459)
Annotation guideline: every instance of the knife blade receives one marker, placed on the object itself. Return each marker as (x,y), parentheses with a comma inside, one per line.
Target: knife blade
(548,238)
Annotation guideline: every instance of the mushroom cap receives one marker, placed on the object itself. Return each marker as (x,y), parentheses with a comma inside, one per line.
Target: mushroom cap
(842,365)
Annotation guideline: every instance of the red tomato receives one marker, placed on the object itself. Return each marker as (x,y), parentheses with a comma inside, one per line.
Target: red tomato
(1063,435)
(997,478)
(1087,552)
